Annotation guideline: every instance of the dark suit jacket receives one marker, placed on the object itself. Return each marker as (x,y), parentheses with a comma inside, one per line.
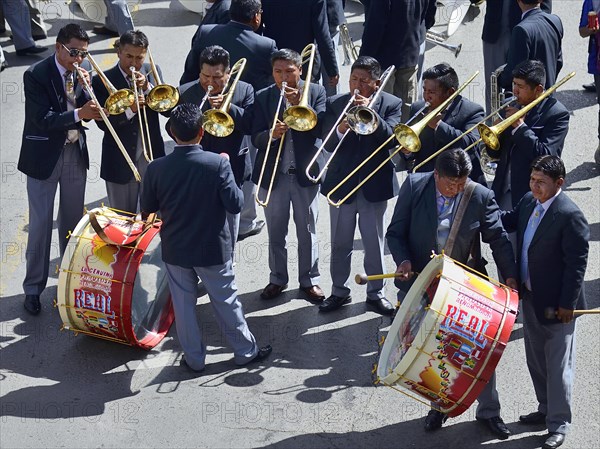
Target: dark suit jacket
(395,30)
(243,98)
(114,168)
(192,189)
(537,36)
(335,15)
(461,115)
(544,132)
(47,120)
(412,233)
(305,143)
(241,42)
(557,254)
(296,23)
(355,149)
(217,14)
(491,22)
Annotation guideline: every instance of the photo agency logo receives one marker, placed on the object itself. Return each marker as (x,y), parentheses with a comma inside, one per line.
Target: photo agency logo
(93,10)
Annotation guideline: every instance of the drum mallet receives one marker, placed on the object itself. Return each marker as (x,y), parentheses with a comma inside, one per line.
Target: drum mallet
(362,279)
(550,312)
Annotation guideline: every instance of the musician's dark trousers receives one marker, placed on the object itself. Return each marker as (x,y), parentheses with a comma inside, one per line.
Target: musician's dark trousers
(70,173)
(126,197)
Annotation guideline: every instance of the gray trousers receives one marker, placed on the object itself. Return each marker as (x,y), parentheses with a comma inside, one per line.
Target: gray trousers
(248,214)
(372,232)
(16,13)
(70,173)
(403,84)
(494,55)
(550,354)
(126,197)
(233,222)
(38,27)
(118,16)
(220,285)
(305,206)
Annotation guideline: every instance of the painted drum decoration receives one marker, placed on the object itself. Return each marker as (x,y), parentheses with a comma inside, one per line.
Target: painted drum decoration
(112,282)
(448,335)
(593,20)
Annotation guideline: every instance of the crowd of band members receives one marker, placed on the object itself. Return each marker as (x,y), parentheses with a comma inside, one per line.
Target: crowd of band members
(54,152)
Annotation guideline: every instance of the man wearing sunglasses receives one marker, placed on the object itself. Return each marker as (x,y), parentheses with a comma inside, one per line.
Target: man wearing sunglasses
(54,151)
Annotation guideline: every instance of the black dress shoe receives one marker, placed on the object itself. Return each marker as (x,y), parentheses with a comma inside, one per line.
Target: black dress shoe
(102,30)
(434,420)
(184,363)
(262,354)
(497,426)
(32,304)
(535,418)
(554,440)
(590,87)
(260,224)
(33,50)
(334,303)
(381,305)
(314,293)
(39,37)
(272,291)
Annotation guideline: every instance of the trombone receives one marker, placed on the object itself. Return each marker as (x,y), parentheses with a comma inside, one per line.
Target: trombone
(161,97)
(408,138)
(299,118)
(218,122)
(350,49)
(436,38)
(361,119)
(116,101)
(142,118)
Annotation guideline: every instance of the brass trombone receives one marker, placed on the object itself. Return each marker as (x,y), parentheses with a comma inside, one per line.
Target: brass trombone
(161,97)
(112,131)
(118,100)
(361,119)
(218,122)
(142,119)
(408,138)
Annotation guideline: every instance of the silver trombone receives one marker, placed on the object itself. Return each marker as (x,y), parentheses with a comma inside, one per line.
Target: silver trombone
(436,38)
(206,96)
(348,46)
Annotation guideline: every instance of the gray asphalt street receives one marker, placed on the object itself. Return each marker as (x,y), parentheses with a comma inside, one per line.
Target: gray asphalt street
(316,390)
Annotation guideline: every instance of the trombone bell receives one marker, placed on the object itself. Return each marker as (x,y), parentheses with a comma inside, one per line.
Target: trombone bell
(300,118)
(119,101)
(490,135)
(162,98)
(218,123)
(362,120)
(407,137)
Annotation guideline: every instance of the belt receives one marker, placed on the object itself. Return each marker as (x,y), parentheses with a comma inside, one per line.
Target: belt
(291,171)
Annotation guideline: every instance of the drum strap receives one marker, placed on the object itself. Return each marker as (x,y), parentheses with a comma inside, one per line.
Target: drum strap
(100,231)
(460,213)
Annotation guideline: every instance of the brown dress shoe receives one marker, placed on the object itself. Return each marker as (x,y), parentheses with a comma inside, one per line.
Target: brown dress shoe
(314,293)
(272,291)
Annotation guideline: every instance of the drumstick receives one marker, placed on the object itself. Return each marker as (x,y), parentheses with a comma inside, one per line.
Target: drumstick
(362,279)
(550,312)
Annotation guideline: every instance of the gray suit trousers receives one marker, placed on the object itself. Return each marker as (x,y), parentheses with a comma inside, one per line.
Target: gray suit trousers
(16,13)
(277,214)
(126,197)
(70,173)
(550,354)
(372,232)
(119,16)
(248,214)
(219,282)
(38,27)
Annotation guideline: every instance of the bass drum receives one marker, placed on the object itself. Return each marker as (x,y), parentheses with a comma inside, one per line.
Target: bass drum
(112,283)
(448,336)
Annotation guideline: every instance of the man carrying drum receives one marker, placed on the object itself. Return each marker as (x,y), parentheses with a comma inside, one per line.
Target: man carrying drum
(429,217)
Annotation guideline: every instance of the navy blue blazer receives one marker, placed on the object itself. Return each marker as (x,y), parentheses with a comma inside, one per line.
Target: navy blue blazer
(243,98)
(491,22)
(412,233)
(355,149)
(335,15)
(218,13)
(395,30)
(543,132)
(296,23)
(306,143)
(241,42)
(114,168)
(537,36)
(192,189)
(47,120)
(557,254)
(461,115)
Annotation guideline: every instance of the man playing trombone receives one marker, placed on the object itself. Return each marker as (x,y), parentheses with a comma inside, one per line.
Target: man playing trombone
(281,176)
(141,138)
(439,83)
(370,202)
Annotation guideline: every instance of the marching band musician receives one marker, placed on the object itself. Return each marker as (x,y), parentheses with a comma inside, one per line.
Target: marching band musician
(121,187)
(439,83)
(370,202)
(542,131)
(215,72)
(290,186)
(54,151)
(428,217)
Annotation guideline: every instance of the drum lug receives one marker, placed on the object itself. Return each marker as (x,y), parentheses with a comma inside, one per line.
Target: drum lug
(55,303)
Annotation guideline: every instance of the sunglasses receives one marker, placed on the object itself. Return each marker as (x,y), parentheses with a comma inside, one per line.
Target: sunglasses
(74,52)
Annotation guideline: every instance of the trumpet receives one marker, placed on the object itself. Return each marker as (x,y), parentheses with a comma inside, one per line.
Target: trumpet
(218,122)
(439,39)
(112,131)
(408,138)
(361,119)
(299,118)
(118,100)
(161,97)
